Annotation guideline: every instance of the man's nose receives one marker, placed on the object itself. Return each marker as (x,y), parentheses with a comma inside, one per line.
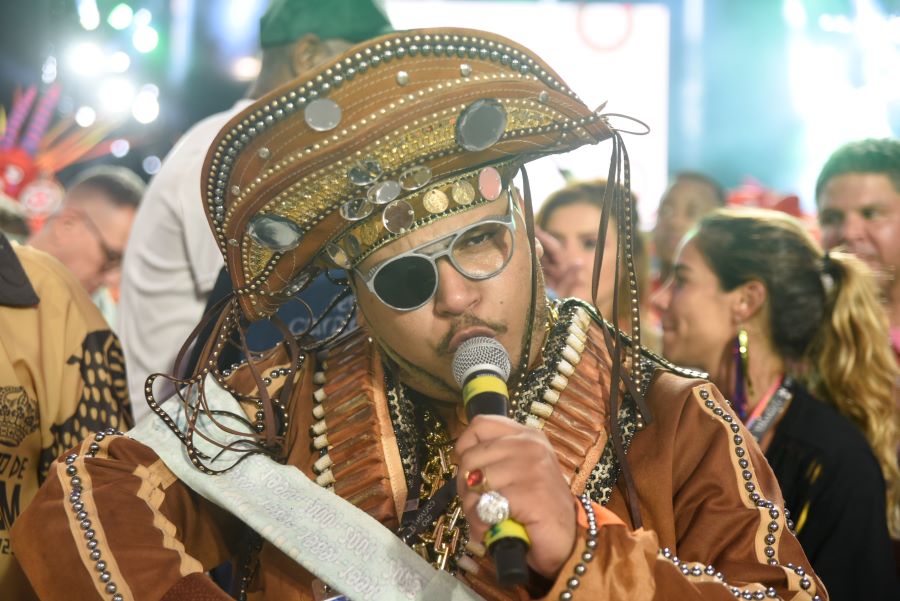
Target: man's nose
(455,293)
(853,229)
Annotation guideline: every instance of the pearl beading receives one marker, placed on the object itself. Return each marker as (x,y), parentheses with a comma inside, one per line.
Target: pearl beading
(84,520)
(587,556)
(751,489)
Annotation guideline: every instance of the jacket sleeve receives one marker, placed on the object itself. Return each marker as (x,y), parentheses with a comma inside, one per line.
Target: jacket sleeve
(731,534)
(122,527)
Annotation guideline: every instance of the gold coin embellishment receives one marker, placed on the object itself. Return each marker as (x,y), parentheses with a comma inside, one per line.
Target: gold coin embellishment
(368,233)
(463,193)
(435,201)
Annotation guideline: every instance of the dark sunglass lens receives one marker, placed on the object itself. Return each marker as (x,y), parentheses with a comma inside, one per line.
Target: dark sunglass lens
(405,283)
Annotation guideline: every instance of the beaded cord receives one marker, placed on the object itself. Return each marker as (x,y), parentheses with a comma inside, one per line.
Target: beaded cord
(81,515)
(588,555)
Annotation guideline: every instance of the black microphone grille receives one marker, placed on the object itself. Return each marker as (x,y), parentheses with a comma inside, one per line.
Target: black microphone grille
(480,353)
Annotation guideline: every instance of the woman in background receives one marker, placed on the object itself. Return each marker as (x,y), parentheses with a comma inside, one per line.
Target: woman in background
(568,222)
(798,340)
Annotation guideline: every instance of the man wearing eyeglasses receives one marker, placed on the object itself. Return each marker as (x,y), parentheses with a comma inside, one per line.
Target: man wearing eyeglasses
(350,468)
(89,232)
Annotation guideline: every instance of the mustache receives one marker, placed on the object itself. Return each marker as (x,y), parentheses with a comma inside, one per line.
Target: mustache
(467,321)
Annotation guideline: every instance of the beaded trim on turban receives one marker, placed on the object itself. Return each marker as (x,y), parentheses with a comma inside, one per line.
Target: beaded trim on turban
(399,131)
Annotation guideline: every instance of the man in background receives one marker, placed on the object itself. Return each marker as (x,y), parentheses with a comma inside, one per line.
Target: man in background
(690,196)
(173,261)
(89,232)
(858,194)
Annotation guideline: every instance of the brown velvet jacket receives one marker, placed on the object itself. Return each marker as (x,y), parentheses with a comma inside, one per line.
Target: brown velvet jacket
(713,520)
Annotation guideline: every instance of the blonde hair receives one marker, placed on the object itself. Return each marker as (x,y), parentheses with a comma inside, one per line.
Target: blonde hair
(825,315)
(859,379)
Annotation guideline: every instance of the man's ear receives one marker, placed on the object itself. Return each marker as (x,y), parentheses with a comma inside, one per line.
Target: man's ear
(750,298)
(305,53)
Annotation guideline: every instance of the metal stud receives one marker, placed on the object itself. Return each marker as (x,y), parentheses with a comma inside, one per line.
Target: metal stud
(322,114)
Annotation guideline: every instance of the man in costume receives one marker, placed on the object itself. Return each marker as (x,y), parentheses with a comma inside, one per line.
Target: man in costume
(172,264)
(395,163)
(62,379)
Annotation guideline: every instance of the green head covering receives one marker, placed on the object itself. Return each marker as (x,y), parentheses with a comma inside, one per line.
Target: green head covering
(287,21)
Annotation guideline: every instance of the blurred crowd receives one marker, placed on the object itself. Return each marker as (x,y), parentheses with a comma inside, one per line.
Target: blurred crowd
(796,318)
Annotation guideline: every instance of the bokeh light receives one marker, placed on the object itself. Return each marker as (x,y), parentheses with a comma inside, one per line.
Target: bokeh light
(146,106)
(145,39)
(85,116)
(119,148)
(85,58)
(116,94)
(88,14)
(152,164)
(120,17)
(246,68)
(118,62)
(142,17)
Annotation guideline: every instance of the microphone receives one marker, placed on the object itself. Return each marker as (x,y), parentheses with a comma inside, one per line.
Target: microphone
(481,367)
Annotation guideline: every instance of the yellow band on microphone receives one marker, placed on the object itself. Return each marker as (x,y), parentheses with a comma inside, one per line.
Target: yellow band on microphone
(506,529)
(486,383)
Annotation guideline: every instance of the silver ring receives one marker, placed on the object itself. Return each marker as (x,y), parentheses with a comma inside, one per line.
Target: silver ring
(492,508)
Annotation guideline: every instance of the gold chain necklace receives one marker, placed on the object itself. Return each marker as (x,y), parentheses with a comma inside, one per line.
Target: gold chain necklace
(442,544)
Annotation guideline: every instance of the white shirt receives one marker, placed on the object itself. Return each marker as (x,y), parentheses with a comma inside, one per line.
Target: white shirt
(171,261)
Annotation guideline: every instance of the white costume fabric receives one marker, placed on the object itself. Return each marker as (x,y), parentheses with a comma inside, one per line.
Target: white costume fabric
(171,262)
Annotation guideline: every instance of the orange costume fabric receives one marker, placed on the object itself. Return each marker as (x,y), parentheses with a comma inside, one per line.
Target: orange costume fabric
(714,525)
(62,377)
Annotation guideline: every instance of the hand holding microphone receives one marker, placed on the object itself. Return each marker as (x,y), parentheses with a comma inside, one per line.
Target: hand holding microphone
(507,469)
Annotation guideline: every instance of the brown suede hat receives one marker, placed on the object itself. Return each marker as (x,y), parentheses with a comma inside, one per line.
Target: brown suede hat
(399,131)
